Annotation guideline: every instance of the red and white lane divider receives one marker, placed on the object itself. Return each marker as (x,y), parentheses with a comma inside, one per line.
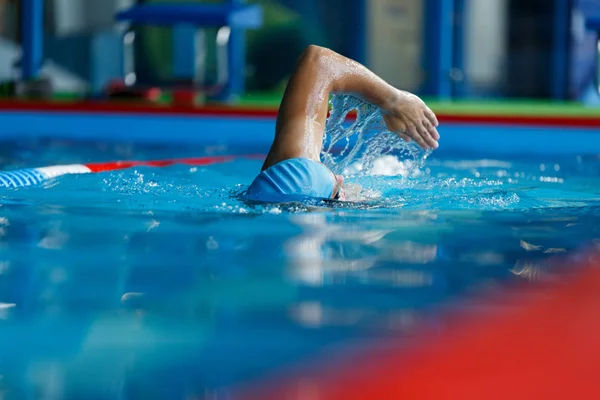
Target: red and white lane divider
(34,176)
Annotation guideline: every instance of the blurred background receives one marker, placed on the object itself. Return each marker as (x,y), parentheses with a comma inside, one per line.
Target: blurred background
(459,50)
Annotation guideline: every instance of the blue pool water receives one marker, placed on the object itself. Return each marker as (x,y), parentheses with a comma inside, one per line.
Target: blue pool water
(161,283)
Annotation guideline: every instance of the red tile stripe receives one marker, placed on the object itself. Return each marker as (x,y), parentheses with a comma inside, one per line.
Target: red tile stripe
(118,108)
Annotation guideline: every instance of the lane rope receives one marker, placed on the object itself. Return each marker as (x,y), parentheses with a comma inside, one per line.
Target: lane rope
(35,176)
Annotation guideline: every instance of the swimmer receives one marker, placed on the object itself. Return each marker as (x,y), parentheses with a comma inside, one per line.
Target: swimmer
(293,170)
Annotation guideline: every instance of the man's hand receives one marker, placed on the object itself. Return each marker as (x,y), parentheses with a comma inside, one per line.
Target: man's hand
(409,117)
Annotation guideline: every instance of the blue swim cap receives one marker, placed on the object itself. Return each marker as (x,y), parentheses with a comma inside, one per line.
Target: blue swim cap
(292,180)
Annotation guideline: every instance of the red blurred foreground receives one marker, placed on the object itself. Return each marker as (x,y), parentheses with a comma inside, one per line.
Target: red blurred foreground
(546,347)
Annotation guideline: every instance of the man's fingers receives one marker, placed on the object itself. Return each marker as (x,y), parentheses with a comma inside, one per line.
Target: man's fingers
(416,136)
(431,129)
(419,130)
(431,116)
(431,142)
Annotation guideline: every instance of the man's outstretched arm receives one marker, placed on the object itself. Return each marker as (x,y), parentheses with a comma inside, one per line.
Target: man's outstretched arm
(303,110)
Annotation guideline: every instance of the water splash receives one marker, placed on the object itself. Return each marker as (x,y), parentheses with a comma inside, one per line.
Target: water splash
(357,150)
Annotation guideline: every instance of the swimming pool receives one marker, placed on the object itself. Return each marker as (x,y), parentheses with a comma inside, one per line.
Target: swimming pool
(162,283)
